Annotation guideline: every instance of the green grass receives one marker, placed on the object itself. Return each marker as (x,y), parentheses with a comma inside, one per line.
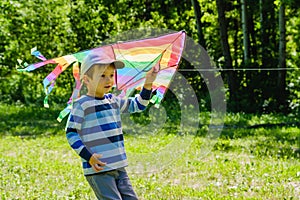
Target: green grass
(243,163)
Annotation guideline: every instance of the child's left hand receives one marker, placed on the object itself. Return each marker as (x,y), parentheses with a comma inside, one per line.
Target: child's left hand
(150,78)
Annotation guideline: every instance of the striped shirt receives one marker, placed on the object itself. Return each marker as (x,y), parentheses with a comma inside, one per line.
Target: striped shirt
(94,126)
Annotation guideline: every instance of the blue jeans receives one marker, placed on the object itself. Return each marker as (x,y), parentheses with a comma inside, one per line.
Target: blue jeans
(112,185)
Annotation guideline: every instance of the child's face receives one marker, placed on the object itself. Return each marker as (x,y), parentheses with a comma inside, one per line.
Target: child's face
(101,81)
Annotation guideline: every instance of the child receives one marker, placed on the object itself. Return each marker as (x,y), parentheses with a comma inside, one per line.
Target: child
(94,128)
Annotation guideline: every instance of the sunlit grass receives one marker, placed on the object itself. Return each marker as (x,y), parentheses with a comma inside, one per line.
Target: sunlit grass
(243,163)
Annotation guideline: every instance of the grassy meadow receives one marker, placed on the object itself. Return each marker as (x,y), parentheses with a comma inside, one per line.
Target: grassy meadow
(256,157)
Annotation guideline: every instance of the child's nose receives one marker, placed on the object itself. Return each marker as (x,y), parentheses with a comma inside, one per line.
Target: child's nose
(108,79)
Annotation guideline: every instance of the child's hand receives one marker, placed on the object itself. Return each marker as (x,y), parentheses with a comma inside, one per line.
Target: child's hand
(150,78)
(96,164)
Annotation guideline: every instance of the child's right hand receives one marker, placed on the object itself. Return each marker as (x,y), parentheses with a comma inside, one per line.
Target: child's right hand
(96,164)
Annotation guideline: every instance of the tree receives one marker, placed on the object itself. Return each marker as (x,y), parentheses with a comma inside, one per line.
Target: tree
(198,16)
(267,32)
(281,80)
(225,48)
(253,34)
(245,31)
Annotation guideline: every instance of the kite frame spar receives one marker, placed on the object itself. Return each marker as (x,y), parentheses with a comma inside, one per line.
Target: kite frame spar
(162,52)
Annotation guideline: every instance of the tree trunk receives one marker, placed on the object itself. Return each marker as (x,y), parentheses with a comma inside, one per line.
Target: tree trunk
(252,32)
(245,32)
(268,34)
(269,53)
(198,16)
(264,38)
(226,50)
(281,82)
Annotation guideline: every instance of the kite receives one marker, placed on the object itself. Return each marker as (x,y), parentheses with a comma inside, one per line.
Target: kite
(162,52)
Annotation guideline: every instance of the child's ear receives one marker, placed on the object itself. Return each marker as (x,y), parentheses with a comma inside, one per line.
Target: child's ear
(85,79)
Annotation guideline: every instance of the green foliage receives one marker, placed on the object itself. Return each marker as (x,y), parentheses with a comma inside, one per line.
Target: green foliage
(293,44)
(58,28)
(28,24)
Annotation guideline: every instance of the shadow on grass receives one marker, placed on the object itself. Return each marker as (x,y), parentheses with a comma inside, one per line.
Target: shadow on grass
(29,121)
(272,136)
(279,126)
(266,141)
(268,135)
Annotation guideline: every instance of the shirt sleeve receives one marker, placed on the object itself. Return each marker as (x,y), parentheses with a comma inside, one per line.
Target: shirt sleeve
(135,104)
(73,132)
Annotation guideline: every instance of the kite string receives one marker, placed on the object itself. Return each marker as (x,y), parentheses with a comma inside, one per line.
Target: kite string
(241,69)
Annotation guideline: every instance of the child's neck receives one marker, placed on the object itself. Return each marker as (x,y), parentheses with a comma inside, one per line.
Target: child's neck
(97,95)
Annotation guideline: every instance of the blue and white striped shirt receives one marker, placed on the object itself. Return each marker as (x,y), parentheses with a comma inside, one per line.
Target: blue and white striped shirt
(94,126)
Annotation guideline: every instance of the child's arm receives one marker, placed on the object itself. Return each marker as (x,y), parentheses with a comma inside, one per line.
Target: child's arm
(150,78)
(140,101)
(73,137)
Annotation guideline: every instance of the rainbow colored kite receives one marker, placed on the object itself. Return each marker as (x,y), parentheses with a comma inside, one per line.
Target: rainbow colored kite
(163,53)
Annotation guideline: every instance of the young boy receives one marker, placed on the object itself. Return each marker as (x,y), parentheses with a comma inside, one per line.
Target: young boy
(94,128)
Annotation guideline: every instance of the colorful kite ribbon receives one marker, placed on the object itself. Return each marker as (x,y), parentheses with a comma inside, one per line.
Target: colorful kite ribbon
(162,52)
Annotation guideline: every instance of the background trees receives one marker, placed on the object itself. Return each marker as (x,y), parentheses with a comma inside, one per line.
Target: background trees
(237,34)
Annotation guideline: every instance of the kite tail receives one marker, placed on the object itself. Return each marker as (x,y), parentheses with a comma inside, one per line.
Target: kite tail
(75,93)
(37,54)
(158,97)
(49,83)
(50,80)
(23,64)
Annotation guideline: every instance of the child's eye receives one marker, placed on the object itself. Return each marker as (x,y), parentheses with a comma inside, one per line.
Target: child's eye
(103,76)
(111,76)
